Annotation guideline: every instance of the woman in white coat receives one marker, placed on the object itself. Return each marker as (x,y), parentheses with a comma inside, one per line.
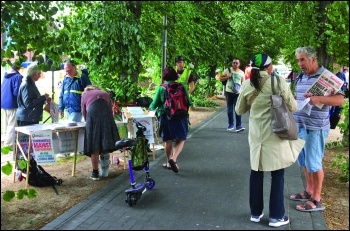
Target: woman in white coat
(267,151)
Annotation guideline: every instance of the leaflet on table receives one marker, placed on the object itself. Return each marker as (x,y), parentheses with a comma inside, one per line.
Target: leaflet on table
(65,124)
(326,84)
(135,111)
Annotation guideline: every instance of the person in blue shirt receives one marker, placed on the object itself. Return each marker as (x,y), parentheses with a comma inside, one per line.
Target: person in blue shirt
(9,92)
(341,76)
(73,86)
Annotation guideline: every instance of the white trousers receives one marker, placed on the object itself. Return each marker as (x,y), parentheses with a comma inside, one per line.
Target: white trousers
(10,124)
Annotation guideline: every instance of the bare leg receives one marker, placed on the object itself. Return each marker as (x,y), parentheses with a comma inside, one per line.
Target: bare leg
(309,182)
(168,146)
(178,148)
(317,179)
(95,159)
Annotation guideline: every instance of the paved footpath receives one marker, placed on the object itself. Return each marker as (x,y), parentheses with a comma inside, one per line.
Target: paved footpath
(210,192)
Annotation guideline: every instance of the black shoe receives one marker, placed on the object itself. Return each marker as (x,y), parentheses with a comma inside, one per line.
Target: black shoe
(95,176)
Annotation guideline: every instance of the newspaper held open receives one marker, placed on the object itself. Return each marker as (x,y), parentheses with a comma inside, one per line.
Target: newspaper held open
(326,84)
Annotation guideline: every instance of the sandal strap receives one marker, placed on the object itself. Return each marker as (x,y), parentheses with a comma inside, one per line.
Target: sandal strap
(317,203)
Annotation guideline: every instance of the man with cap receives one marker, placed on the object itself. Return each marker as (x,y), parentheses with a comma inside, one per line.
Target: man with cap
(185,75)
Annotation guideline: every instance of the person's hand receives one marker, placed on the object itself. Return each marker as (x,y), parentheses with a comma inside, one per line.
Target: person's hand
(315,100)
(308,95)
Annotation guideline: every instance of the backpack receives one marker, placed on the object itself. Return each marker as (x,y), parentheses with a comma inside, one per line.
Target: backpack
(38,177)
(334,116)
(176,101)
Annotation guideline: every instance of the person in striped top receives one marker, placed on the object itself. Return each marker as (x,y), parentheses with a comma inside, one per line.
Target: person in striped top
(313,128)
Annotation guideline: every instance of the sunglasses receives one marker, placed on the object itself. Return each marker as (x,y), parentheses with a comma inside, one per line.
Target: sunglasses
(235,63)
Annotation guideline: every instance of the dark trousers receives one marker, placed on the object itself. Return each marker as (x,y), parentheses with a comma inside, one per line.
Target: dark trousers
(256,198)
(231,100)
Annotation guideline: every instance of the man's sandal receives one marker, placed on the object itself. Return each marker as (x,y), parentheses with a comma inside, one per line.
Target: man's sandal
(166,166)
(310,206)
(173,166)
(304,196)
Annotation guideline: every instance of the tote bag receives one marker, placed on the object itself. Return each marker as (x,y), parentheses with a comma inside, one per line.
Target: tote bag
(282,120)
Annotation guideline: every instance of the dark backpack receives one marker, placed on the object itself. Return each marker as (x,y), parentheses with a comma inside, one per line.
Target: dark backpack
(176,101)
(38,177)
(334,115)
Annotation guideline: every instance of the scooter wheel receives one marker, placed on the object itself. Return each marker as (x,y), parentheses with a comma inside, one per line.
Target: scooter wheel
(131,199)
(151,183)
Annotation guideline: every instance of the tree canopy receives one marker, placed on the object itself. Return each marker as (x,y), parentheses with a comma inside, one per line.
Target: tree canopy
(121,41)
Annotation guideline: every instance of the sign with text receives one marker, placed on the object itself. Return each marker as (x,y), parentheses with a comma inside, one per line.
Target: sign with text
(42,145)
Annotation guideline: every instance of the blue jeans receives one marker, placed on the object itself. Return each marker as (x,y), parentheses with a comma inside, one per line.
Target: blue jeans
(256,197)
(74,116)
(231,100)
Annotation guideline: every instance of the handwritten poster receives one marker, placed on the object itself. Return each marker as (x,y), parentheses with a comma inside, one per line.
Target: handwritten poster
(42,145)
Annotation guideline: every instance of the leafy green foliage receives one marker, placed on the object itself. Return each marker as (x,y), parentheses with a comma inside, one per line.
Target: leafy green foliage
(344,124)
(202,92)
(342,163)
(121,42)
(6,149)
(7,169)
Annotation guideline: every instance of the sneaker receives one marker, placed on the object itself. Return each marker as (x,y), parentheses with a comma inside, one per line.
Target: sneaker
(279,222)
(229,128)
(95,176)
(240,128)
(256,218)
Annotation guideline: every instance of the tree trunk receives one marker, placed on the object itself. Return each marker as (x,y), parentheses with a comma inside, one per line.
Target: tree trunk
(323,58)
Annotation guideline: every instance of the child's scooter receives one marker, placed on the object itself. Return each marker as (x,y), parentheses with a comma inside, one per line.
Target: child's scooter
(137,148)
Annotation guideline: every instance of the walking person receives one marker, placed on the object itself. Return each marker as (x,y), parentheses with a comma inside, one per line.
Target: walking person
(9,92)
(185,75)
(101,132)
(171,130)
(268,152)
(233,75)
(313,128)
(73,86)
(30,102)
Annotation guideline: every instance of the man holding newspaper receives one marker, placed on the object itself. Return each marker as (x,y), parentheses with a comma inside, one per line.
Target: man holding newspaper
(315,92)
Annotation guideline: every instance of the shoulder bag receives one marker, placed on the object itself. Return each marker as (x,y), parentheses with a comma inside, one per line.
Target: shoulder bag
(282,120)
(235,86)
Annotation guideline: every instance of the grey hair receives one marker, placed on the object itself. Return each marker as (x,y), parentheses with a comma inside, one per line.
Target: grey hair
(32,69)
(91,87)
(309,51)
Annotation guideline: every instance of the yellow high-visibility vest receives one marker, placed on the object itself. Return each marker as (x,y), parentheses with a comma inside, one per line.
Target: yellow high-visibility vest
(185,76)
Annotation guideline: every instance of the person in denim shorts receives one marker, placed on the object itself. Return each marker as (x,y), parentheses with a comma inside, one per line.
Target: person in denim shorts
(313,128)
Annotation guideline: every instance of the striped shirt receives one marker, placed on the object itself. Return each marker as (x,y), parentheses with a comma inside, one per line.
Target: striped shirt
(319,118)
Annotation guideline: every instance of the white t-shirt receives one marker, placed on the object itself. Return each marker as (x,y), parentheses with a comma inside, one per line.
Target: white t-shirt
(237,77)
